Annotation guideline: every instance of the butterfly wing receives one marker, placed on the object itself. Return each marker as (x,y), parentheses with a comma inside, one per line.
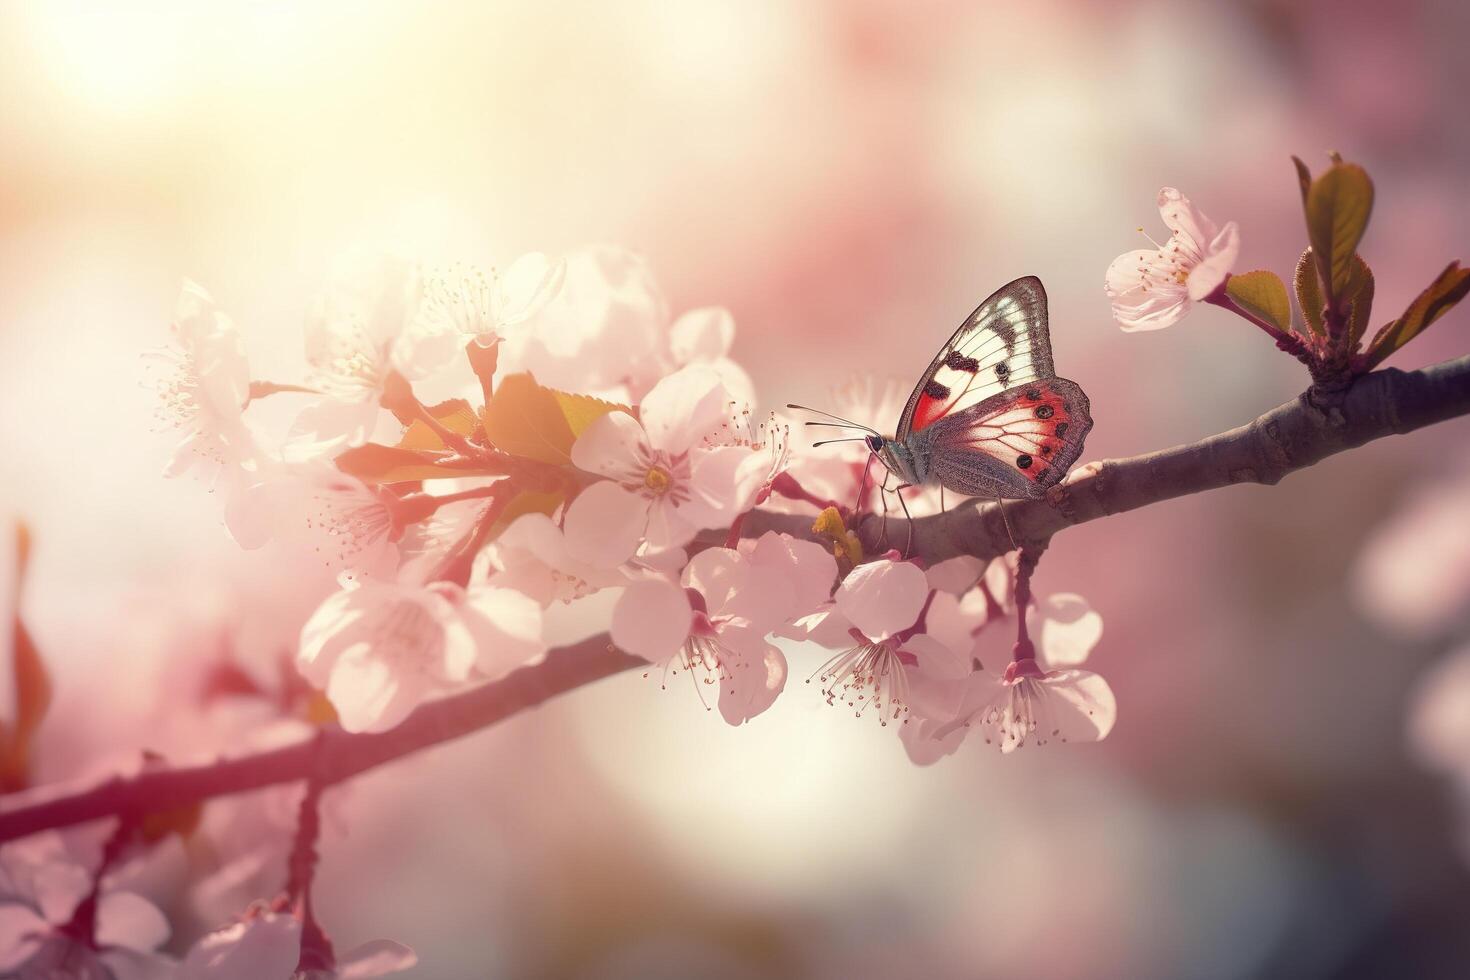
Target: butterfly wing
(1014,444)
(1003,344)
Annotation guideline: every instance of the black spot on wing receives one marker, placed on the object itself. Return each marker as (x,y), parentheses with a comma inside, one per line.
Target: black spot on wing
(936,390)
(956,361)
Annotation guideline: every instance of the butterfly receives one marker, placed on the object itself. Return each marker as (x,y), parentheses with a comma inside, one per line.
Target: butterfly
(989,417)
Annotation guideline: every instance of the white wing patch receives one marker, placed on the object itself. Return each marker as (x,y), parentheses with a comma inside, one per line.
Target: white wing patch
(1004,343)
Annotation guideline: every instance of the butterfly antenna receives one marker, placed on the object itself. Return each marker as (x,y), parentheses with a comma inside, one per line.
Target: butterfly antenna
(837,419)
(1007,522)
(828,442)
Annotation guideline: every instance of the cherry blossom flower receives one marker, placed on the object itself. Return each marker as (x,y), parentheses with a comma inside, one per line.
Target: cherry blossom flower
(351,336)
(267,944)
(461,304)
(664,483)
(380,648)
(715,627)
(1153,289)
(603,333)
(1028,703)
(43,880)
(1413,575)
(316,510)
(870,619)
(203,382)
(532,556)
(703,336)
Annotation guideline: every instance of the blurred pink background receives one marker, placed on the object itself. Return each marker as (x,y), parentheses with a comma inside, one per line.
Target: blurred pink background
(850,178)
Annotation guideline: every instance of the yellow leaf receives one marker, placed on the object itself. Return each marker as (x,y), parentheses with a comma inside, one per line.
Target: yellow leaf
(456,415)
(526,502)
(526,420)
(375,463)
(1262,293)
(581,411)
(1338,205)
(1447,289)
(1309,293)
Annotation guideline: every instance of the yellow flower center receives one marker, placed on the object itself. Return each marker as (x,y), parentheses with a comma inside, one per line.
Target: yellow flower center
(658,480)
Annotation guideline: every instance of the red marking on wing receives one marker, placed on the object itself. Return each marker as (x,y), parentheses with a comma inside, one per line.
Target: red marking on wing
(927,411)
(1036,431)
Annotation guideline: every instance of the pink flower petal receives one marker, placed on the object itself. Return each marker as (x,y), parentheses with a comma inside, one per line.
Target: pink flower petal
(718,574)
(1145,293)
(21,932)
(267,946)
(130,921)
(1065,629)
(883,597)
(376,959)
(685,408)
(756,683)
(651,619)
(605,524)
(1186,221)
(611,446)
(1220,256)
(506,627)
(367,693)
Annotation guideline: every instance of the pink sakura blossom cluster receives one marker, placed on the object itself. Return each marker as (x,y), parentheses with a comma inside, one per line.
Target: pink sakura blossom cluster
(478,460)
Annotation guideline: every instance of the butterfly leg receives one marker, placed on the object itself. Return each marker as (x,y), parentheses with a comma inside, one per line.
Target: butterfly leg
(898,492)
(1007,522)
(883,525)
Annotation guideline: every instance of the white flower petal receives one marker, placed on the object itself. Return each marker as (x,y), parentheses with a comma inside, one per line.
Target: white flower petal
(526,286)
(1220,256)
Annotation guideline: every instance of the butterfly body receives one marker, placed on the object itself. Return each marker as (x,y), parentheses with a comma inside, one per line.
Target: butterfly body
(990,417)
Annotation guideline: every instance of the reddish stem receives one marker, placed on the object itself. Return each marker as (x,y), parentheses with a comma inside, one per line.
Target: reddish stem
(787,486)
(1027,559)
(316,948)
(1287,342)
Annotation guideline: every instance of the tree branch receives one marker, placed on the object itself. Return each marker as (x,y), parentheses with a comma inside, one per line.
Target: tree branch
(1287,438)
(331,757)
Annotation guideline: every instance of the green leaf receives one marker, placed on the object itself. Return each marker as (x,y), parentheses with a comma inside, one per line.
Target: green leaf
(1447,289)
(1303,177)
(1360,307)
(1309,293)
(525,419)
(1262,293)
(375,463)
(1338,205)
